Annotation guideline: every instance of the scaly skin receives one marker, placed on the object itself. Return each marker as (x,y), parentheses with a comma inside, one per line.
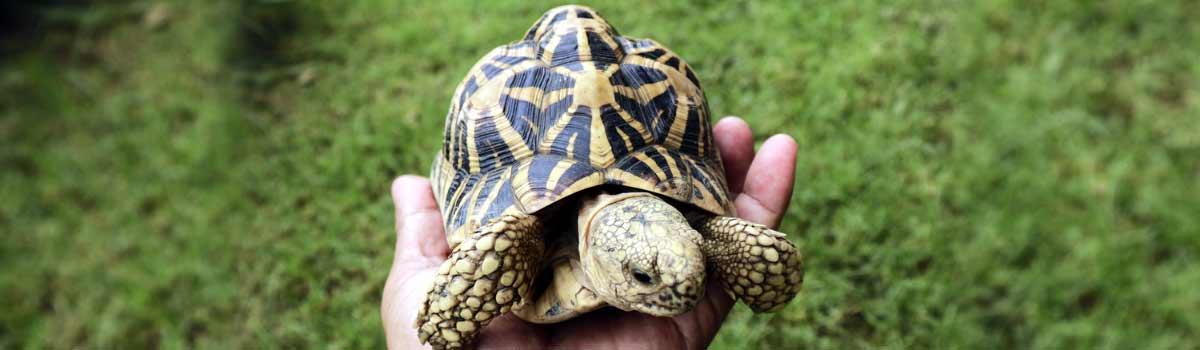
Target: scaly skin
(640,254)
(641,231)
(755,264)
(487,275)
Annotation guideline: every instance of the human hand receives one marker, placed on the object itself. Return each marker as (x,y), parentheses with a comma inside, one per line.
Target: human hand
(761,184)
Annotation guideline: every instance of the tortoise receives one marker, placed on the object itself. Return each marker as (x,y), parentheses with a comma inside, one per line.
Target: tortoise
(578,170)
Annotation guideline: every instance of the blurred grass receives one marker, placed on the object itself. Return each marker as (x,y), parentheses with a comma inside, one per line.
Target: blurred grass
(995,174)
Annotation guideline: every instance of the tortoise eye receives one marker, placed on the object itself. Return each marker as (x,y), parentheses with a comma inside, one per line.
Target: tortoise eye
(642,277)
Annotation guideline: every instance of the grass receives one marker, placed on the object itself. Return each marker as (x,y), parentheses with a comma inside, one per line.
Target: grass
(993,174)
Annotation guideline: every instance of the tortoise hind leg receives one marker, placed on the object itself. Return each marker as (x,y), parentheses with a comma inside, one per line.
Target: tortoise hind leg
(487,275)
(755,264)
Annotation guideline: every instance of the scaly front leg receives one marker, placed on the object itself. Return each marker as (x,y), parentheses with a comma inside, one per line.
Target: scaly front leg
(487,275)
(755,264)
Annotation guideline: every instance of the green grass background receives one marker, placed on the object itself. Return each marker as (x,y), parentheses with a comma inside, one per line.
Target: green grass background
(991,174)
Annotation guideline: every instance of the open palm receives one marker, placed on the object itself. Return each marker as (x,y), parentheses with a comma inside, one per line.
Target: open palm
(761,184)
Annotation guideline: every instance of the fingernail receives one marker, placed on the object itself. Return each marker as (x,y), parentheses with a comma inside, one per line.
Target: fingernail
(734,120)
(785,138)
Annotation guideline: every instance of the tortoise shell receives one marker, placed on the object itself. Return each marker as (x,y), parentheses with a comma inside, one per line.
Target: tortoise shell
(573,106)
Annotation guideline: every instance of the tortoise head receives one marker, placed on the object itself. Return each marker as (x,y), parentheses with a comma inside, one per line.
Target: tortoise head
(639,253)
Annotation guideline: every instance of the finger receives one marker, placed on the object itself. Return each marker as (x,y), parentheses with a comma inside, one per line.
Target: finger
(418,222)
(510,332)
(700,325)
(736,145)
(768,187)
(420,247)
(402,296)
(611,328)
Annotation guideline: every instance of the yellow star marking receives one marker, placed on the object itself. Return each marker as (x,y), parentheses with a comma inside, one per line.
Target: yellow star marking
(551,134)
(651,164)
(556,174)
(571,146)
(548,54)
(642,129)
(679,124)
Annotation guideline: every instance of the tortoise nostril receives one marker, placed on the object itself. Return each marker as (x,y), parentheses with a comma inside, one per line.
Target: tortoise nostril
(642,277)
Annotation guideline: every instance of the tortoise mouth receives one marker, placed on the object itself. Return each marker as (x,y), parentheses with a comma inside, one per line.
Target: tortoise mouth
(664,310)
(667,303)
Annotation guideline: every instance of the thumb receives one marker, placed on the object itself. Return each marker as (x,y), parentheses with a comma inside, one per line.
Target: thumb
(420,248)
(419,232)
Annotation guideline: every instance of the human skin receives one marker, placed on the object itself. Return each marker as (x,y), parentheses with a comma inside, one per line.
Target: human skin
(761,184)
